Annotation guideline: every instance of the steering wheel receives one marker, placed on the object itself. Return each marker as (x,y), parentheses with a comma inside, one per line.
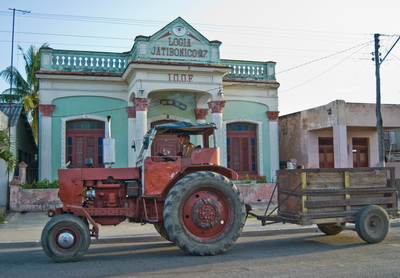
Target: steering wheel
(165,158)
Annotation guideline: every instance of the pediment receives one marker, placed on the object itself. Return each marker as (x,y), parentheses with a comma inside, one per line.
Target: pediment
(178,41)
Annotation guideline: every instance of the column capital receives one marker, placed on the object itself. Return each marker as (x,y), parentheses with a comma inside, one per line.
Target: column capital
(216,106)
(201,113)
(131,110)
(273,115)
(141,104)
(46,109)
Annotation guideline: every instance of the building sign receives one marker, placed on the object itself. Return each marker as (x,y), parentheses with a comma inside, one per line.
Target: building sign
(178,42)
(180,77)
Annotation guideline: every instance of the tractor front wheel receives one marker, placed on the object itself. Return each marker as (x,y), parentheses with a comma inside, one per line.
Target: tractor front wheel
(65,238)
(204,213)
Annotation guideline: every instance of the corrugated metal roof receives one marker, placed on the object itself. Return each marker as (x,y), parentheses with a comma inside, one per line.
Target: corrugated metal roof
(12,110)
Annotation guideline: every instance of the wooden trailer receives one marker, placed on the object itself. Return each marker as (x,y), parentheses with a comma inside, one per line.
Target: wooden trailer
(331,198)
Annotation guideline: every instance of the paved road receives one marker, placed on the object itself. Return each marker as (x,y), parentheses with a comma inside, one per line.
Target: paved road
(291,255)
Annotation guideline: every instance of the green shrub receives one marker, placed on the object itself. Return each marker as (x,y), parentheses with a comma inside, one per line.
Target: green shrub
(44,184)
(262,179)
(245,180)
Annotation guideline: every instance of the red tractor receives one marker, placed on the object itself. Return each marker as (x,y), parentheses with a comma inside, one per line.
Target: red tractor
(191,202)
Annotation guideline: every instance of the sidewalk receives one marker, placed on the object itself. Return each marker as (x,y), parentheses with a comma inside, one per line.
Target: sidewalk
(24,229)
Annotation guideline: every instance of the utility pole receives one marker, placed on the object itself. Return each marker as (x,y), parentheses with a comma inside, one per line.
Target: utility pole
(379,123)
(12,45)
(10,94)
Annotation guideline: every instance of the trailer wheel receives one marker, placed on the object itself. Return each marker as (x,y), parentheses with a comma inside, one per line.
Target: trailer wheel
(331,229)
(160,228)
(204,213)
(65,238)
(372,224)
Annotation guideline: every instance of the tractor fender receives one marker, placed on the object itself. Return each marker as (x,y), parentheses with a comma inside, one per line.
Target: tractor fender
(228,173)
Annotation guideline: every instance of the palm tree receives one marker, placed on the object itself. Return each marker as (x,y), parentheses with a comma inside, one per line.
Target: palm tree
(25,91)
(5,152)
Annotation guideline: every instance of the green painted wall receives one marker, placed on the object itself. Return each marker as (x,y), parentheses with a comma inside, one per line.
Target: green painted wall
(186,98)
(99,106)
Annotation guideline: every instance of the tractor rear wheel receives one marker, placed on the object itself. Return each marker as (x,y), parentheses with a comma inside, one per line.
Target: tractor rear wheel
(204,213)
(160,228)
(65,238)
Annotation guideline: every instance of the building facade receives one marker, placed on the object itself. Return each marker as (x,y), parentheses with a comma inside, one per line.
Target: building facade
(338,135)
(175,74)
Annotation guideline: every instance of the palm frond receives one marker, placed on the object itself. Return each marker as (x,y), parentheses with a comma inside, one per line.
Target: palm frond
(6,153)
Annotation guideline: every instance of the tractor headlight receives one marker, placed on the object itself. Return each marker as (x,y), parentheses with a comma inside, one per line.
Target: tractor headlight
(90,194)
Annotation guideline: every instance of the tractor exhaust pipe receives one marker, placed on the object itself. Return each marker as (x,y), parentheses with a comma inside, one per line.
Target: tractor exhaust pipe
(108,146)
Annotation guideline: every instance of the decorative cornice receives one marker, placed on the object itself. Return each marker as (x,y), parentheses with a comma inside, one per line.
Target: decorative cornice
(46,109)
(273,115)
(141,104)
(131,110)
(201,113)
(216,106)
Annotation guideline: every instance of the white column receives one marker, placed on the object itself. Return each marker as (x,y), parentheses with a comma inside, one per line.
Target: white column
(200,119)
(340,146)
(216,117)
(131,135)
(141,106)
(45,146)
(274,143)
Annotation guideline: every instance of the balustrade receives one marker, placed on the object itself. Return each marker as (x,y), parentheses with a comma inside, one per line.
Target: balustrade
(84,61)
(81,61)
(250,70)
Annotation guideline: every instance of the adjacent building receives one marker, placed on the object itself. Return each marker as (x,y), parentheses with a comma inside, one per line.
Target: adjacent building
(175,74)
(14,119)
(339,135)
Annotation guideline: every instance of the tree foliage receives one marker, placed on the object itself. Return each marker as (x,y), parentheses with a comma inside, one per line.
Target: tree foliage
(5,150)
(26,90)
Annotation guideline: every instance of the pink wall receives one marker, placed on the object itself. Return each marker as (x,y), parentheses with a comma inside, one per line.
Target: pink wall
(33,199)
(45,199)
(257,192)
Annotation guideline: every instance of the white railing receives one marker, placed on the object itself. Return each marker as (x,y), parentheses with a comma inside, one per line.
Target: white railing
(250,70)
(83,61)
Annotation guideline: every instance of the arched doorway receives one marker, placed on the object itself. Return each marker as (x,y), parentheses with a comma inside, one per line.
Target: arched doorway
(84,140)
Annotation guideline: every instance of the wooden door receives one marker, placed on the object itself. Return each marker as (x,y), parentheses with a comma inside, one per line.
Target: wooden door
(360,152)
(84,140)
(242,148)
(326,153)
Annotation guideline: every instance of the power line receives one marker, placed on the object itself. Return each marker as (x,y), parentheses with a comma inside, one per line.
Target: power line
(322,73)
(323,58)
(212,27)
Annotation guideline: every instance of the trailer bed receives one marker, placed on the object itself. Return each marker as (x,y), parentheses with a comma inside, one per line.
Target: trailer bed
(330,198)
(316,196)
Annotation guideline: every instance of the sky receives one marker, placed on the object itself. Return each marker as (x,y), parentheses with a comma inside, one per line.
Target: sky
(323,49)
